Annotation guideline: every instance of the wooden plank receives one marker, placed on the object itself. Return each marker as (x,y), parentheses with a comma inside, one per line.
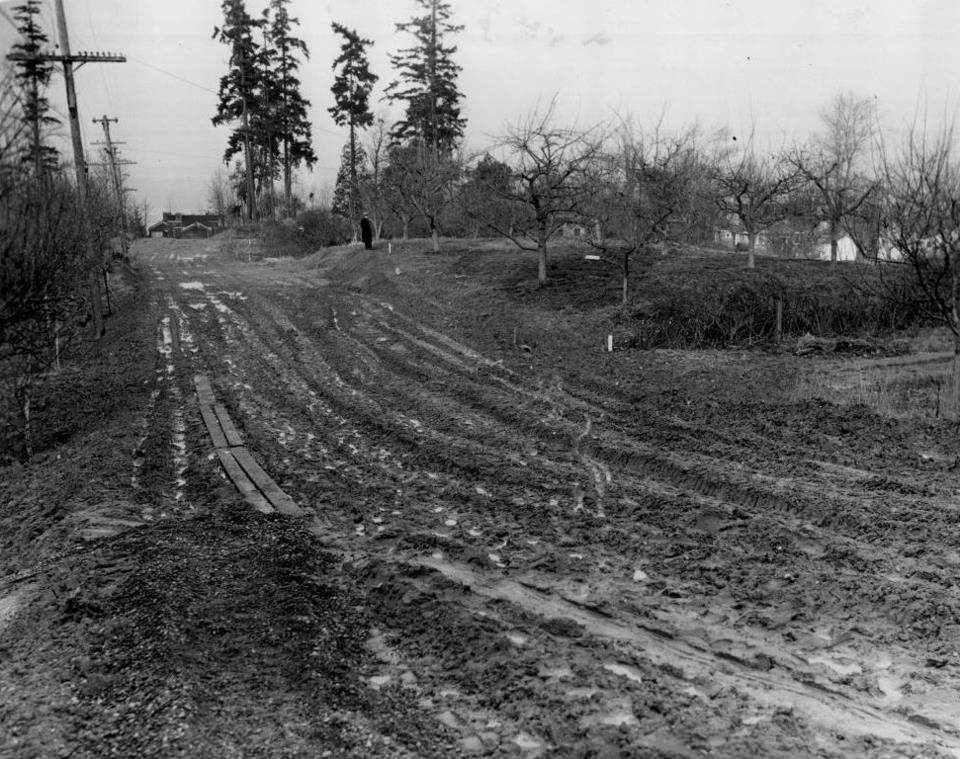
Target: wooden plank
(280,500)
(226,424)
(243,483)
(204,391)
(213,427)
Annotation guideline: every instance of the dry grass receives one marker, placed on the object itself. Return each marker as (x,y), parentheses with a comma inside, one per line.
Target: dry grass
(902,387)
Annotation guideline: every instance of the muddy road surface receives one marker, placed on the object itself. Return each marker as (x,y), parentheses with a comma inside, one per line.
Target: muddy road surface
(553,568)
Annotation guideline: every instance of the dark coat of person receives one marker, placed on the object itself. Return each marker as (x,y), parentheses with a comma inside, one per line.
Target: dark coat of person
(366,233)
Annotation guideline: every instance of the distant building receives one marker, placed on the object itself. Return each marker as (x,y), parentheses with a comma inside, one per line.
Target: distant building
(186,225)
(580,231)
(790,238)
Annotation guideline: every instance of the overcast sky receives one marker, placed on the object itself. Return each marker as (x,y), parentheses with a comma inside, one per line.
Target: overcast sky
(772,63)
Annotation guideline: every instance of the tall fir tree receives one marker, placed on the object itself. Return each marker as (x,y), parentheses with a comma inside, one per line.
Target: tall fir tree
(32,75)
(427,81)
(349,176)
(240,89)
(351,92)
(291,126)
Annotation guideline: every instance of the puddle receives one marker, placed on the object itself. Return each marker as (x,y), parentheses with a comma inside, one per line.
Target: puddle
(555,673)
(192,285)
(840,668)
(526,742)
(890,688)
(582,693)
(624,670)
(614,718)
(9,606)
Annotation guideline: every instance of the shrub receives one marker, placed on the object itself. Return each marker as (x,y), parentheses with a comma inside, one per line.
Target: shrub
(700,302)
(313,229)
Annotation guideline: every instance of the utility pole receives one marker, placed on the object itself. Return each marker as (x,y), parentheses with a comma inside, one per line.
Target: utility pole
(114,162)
(68,60)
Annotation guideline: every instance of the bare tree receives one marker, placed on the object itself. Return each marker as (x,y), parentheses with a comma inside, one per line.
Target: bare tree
(638,190)
(550,167)
(834,163)
(425,181)
(220,196)
(482,197)
(920,209)
(755,189)
(372,190)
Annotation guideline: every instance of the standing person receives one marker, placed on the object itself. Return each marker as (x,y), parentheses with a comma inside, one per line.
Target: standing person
(366,232)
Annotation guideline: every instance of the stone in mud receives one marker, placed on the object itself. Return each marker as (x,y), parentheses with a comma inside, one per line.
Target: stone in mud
(471,745)
(449,719)
(527,743)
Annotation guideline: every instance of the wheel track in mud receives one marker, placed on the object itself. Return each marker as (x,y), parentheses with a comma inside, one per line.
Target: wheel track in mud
(628,464)
(644,464)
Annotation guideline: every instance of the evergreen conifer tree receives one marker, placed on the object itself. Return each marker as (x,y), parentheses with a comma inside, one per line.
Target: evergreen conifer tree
(32,75)
(240,89)
(350,175)
(351,91)
(290,126)
(427,81)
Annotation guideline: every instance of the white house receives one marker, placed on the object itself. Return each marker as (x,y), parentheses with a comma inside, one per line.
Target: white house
(846,249)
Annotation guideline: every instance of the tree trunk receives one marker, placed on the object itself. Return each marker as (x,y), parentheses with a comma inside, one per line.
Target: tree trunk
(354,182)
(541,256)
(833,241)
(287,180)
(406,226)
(951,405)
(435,237)
(751,250)
(22,393)
(625,283)
(248,160)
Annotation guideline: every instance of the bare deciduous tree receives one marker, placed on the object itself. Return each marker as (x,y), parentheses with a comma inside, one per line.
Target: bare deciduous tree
(372,190)
(638,190)
(425,181)
(834,163)
(754,188)
(920,208)
(220,196)
(550,165)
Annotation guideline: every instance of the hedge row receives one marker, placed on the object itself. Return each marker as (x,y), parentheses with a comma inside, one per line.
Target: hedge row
(713,302)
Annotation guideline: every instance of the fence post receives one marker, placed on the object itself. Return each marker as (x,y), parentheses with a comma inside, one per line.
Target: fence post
(778,327)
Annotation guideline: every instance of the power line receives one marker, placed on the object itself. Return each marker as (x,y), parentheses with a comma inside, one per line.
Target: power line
(170,73)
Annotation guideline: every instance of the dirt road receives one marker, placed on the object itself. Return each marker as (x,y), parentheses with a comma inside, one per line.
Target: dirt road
(552,567)
(555,569)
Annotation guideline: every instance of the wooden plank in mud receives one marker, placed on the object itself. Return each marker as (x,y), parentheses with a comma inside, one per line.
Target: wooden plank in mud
(280,500)
(242,482)
(204,391)
(213,427)
(226,424)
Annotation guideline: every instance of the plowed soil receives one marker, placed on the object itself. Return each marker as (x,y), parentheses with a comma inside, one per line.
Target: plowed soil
(517,543)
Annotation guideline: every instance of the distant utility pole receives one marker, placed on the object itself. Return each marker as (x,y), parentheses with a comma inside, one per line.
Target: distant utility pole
(116,175)
(67,60)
